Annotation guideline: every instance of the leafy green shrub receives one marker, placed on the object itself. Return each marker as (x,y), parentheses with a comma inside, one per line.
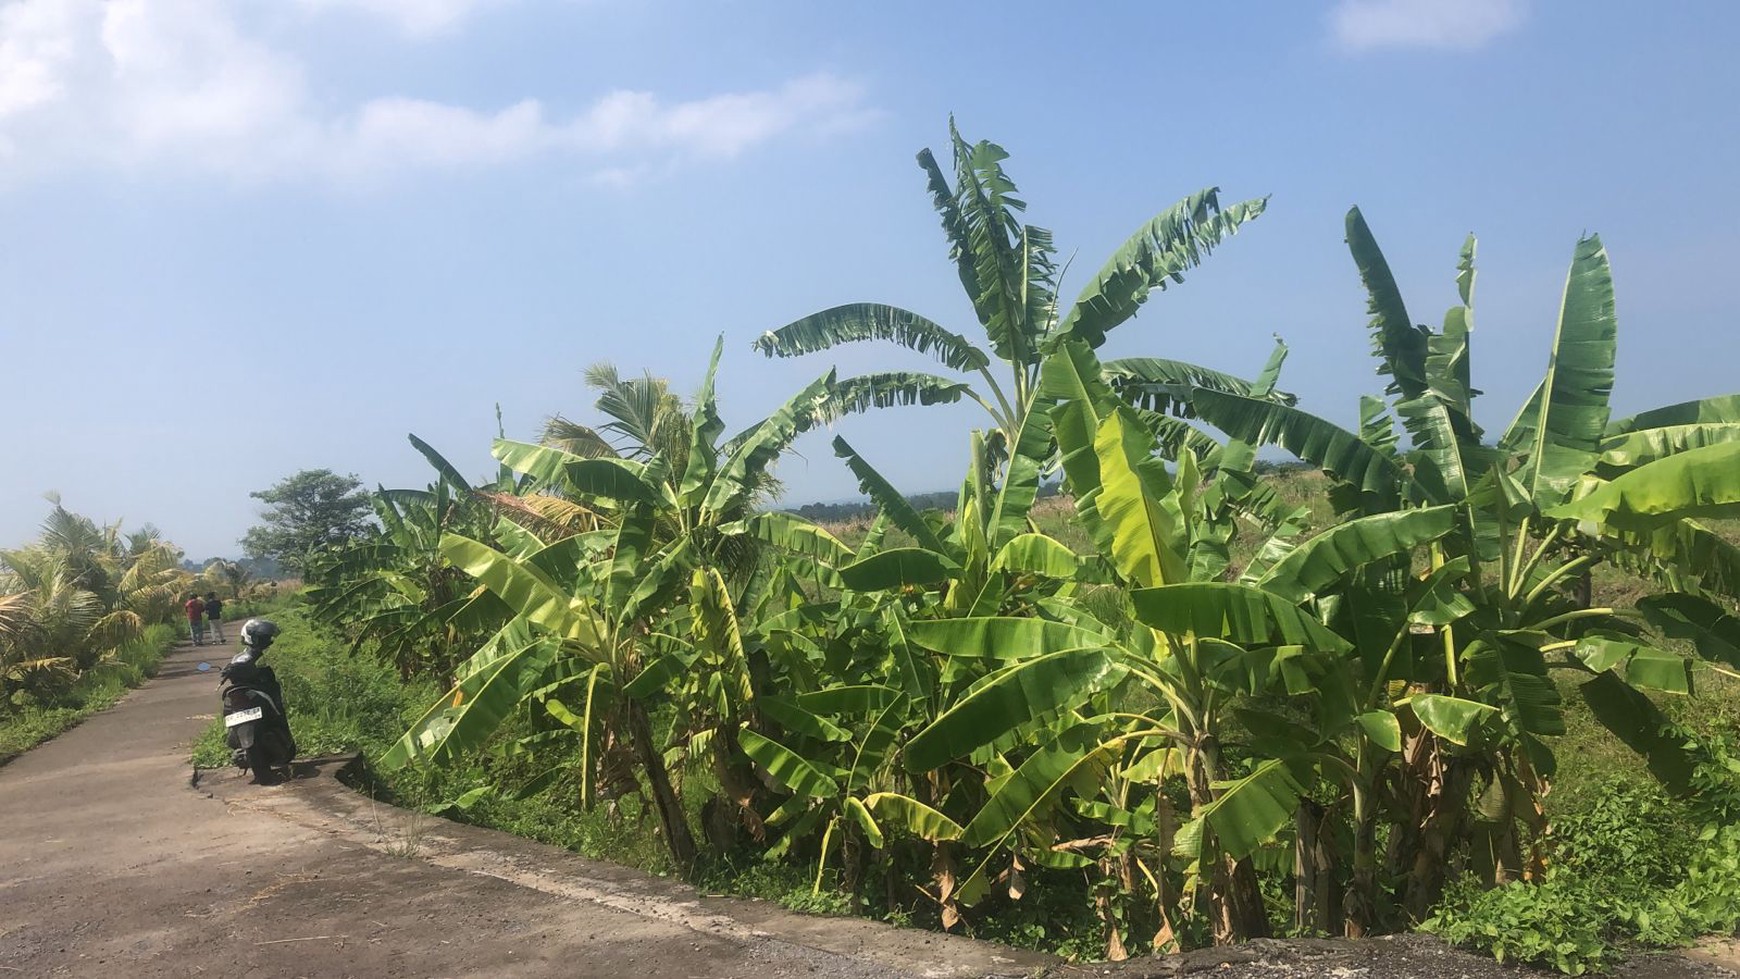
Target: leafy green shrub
(1550,923)
(1630,867)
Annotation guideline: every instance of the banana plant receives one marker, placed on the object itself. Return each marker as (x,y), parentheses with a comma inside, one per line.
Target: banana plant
(586,641)
(1532,513)
(1059,672)
(395,592)
(1011,276)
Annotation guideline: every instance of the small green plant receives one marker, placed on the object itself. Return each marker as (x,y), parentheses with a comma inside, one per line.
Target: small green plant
(1548,924)
(1631,867)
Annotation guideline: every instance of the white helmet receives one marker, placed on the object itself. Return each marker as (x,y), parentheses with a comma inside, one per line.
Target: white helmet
(258,633)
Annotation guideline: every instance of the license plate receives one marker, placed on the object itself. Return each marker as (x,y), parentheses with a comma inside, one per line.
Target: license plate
(244,716)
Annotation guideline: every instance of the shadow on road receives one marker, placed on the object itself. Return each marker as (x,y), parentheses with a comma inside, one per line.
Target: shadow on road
(186,668)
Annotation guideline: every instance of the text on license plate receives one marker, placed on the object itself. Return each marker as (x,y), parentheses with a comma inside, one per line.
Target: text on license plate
(244,716)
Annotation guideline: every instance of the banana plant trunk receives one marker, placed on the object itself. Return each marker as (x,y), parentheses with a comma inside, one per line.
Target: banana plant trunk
(673,824)
(1315,909)
(1235,902)
(1435,786)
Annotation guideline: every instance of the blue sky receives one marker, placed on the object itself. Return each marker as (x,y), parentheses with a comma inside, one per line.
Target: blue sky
(241,239)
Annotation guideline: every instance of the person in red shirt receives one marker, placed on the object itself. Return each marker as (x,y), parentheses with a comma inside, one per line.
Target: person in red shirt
(196,619)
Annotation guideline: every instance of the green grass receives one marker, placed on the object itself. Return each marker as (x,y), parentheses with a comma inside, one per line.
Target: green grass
(336,702)
(24,727)
(339,702)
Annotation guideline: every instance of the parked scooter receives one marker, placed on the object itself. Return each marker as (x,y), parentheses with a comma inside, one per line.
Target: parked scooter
(256,729)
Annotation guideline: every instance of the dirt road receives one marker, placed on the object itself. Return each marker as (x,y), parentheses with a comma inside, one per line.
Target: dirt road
(112,864)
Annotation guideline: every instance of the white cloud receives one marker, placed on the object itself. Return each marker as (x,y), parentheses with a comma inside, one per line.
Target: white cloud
(181,86)
(1365,24)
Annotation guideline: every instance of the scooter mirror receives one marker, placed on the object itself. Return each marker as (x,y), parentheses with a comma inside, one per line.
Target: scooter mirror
(204,667)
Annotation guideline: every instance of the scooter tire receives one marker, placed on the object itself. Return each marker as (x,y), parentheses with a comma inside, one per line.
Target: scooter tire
(260,762)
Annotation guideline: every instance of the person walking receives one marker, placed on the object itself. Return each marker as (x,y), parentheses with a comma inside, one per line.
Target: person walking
(214,616)
(196,619)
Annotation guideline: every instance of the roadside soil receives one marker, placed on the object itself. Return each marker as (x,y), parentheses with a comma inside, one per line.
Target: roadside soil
(117,860)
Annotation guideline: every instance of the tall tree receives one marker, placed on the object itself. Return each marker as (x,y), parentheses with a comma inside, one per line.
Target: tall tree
(312,511)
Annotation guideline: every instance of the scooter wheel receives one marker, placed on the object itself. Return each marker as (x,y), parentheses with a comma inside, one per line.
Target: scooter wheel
(261,764)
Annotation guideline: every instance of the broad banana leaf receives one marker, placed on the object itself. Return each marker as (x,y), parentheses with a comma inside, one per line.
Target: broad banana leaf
(954,225)
(1376,428)
(1451,718)
(704,431)
(549,467)
(446,469)
(873,748)
(1075,754)
(1644,728)
(913,816)
(898,567)
(1401,347)
(795,534)
(1175,436)
(856,811)
(985,206)
(1641,666)
(1237,613)
(1002,637)
(1382,728)
(1018,696)
(853,699)
(491,684)
(1037,554)
(1322,560)
(1142,519)
(1247,812)
(794,718)
(1443,457)
(1014,498)
(527,591)
(739,475)
(620,481)
(1699,482)
(1447,360)
(1338,451)
(1639,448)
(890,389)
(1722,409)
(658,673)
(917,676)
(1435,599)
(1512,674)
(789,768)
(1161,385)
(1710,627)
(633,548)
(1171,243)
(1686,546)
(872,321)
(888,499)
(715,630)
(1573,413)
(1070,377)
